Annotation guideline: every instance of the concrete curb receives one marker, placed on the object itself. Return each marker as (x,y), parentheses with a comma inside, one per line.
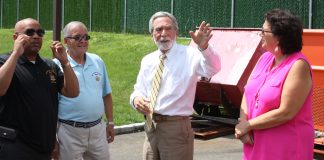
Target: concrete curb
(130,128)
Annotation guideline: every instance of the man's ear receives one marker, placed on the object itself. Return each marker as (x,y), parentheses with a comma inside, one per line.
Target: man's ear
(152,37)
(65,40)
(15,36)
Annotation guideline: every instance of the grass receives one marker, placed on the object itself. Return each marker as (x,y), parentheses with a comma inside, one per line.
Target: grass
(122,54)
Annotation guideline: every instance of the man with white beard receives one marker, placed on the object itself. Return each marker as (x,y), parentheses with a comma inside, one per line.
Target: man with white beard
(168,97)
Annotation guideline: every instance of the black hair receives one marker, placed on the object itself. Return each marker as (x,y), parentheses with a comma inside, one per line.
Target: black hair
(288,28)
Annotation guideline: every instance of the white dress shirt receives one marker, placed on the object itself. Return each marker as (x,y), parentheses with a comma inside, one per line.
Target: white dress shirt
(182,69)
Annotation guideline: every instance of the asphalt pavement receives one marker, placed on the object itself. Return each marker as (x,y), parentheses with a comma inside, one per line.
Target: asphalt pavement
(129,147)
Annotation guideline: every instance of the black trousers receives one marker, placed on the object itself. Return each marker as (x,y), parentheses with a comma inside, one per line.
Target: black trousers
(17,150)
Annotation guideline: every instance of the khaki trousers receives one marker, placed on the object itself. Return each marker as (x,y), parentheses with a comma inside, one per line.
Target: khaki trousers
(83,143)
(170,140)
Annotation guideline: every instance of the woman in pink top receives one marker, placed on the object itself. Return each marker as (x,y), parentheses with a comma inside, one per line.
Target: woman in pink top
(276,110)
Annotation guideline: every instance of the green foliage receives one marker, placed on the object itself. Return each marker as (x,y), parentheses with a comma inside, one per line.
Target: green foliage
(122,54)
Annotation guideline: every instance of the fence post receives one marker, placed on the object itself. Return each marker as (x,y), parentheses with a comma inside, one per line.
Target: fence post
(57,7)
(62,16)
(38,10)
(310,14)
(125,15)
(1,13)
(90,21)
(17,13)
(232,13)
(172,2)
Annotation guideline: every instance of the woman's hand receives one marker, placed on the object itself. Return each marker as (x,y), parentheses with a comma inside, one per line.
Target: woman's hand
(242,128)
(247,138)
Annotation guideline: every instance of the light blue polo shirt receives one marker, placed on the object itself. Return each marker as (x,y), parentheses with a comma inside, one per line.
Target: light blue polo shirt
(94,85)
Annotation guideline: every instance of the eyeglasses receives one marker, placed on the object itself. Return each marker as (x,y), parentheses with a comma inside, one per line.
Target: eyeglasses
(264,31)
(30,32)
(79,38)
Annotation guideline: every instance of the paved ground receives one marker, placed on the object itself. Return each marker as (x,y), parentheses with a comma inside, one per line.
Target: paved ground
(129,147)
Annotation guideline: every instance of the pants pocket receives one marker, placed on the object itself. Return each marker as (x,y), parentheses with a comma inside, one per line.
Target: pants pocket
(2,145)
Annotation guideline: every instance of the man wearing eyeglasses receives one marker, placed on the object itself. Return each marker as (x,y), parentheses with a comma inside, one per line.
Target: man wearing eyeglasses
(82,134)
(29,87)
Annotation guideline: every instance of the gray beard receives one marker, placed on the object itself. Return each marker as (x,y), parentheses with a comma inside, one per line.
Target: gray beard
(164,46)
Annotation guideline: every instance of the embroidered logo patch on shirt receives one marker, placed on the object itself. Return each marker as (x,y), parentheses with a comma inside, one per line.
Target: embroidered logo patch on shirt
(51,75)
(97,76)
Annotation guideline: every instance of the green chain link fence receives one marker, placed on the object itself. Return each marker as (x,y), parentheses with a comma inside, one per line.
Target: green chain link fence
(132,16)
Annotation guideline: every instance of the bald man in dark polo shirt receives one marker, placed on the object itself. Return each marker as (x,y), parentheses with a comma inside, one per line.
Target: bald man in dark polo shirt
(29,87)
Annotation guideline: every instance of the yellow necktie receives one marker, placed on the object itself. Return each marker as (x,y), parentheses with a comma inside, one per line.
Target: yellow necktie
(155,89)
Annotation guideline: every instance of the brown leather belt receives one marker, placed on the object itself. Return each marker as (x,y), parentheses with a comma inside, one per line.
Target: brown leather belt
(160,118)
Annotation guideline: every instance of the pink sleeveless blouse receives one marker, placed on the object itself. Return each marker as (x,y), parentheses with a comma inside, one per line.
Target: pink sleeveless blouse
(293,140)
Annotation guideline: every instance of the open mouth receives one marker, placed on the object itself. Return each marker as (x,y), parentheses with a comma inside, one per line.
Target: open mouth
(164,40)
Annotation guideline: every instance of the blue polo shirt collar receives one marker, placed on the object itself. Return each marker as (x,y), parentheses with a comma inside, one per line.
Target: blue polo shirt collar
(88,61)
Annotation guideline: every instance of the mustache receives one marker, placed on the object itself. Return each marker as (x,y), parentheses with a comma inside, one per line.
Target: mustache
(164,44)
(164,40)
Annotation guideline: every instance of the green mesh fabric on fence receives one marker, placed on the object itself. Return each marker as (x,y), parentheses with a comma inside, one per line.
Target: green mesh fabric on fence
(46,14)
(28,9)
(105,15)
(318,14)
(251,13)
(139,13)
(9,16)
(108,15)
(77,10)
(189,16)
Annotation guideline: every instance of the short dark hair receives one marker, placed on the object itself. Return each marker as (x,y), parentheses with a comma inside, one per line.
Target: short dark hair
(288,28)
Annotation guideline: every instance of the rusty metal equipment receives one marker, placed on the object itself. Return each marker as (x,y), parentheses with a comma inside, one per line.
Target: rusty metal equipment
(219,98)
